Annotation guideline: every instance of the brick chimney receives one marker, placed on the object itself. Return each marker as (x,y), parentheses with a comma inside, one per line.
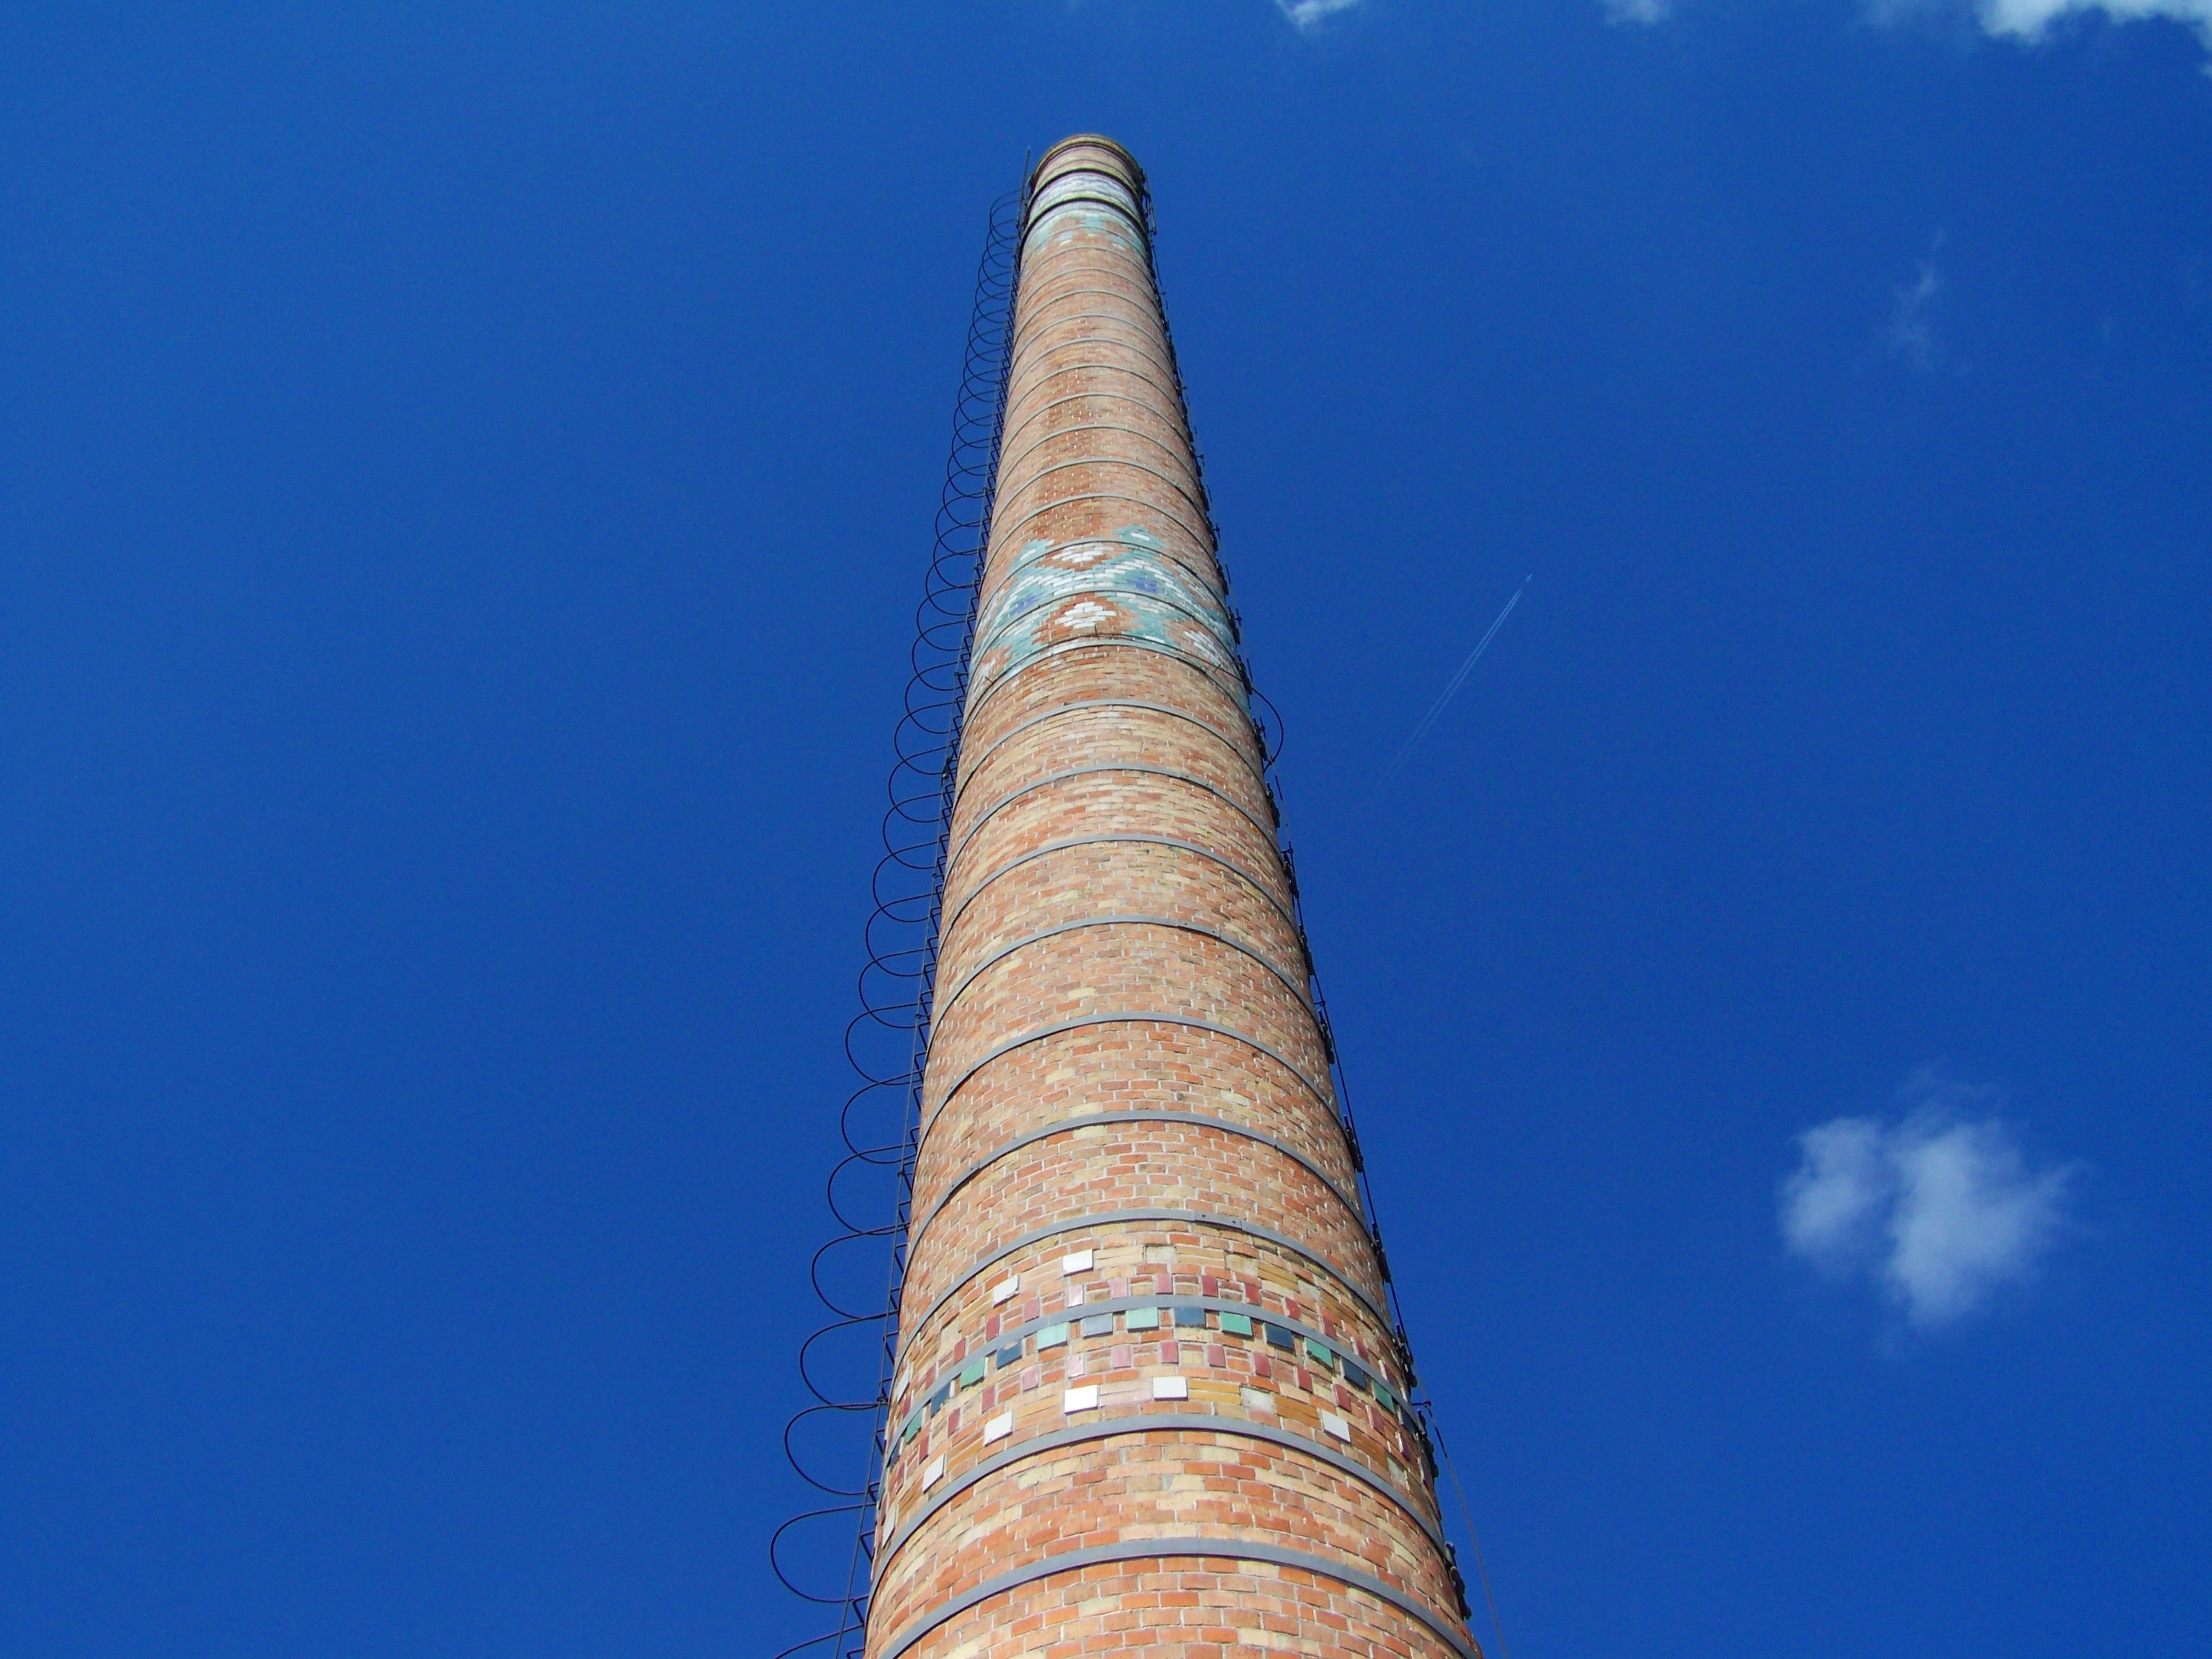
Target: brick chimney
(1146,1397)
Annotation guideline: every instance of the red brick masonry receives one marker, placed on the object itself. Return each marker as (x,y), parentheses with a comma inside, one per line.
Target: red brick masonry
(1145,1397)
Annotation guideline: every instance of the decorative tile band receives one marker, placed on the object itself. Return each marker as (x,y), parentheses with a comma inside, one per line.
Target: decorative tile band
(1122,584)
(1205,1218)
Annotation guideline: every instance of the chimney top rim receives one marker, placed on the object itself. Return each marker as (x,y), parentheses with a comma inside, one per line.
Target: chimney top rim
(1088,140)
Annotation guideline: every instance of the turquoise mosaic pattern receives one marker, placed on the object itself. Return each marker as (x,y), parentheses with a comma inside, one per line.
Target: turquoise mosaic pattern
(1079,201)
(1117,585)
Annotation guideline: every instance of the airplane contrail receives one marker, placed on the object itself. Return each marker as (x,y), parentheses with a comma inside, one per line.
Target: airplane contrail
(1436,708)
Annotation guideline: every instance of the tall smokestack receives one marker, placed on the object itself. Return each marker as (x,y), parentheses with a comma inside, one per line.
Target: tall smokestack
(1146,1396)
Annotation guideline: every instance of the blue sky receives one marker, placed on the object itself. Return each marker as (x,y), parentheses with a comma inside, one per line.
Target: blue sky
(467,472)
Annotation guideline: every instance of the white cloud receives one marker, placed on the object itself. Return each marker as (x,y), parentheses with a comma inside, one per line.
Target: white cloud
(1307,14)
(1938,1210)
(1911,330)
(2025,21)
(1832,1207)
(2030,19)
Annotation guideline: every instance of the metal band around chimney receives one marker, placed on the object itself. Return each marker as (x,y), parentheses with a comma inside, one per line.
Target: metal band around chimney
(1169,1549)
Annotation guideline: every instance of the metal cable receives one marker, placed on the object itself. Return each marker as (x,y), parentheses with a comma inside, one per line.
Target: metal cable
(887,1040)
